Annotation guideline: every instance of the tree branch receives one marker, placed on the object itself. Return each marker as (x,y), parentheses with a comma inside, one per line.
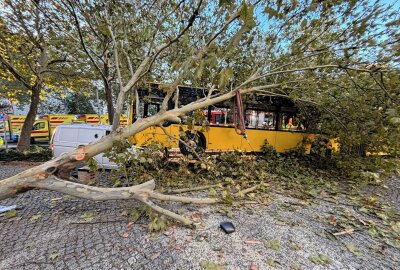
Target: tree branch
(180,140)
(201,53)
(15,73)
(185,221)
(82,41)
(304,69)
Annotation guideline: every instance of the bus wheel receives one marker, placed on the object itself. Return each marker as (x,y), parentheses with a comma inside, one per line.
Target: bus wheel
(195,141)
(32,140)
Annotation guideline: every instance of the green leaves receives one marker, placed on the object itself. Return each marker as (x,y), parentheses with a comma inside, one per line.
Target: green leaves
(54,255)
(246,13)
(135,214)
(157,224)
(35,218)
(223,3)
(321,259)
(10,214)
(199,70)
(207,265)
(224,77)
(396,227)
(273,244)
(353,249)
(212,192)
(304,23)
(87,216)
(271,12)
(272,262)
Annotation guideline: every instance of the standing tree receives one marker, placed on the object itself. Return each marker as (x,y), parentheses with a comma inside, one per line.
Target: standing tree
(289,49)
(91,30)
(78,103)
(34,58)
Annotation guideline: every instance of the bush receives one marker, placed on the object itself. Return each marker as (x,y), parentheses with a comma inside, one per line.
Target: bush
(36,153)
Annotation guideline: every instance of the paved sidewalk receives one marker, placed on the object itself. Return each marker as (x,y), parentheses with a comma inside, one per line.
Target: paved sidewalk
(51,232)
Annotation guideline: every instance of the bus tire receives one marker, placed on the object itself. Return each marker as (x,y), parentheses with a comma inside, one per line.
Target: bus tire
(32,140)
(166,123)
(195,139)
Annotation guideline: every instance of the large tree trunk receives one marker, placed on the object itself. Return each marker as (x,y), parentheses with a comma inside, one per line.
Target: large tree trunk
(25,137)
(110,105)
(118,112)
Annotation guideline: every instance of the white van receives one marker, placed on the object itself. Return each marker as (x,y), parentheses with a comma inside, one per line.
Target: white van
(68,137)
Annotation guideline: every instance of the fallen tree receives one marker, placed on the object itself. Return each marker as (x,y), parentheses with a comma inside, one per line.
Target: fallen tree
(278,77)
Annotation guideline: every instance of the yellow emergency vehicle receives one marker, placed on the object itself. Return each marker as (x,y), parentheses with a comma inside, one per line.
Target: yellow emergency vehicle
(12,125)
(45,125)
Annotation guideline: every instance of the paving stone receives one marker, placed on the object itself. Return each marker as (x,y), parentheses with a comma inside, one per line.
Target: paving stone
(28,244)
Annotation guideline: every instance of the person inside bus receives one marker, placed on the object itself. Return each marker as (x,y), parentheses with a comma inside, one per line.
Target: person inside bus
(290,123)
(300,125)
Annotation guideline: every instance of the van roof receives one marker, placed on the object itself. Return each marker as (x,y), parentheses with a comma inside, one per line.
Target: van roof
(85,126)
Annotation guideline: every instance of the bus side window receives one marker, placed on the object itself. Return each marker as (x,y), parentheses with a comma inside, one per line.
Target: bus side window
(141,109)
(217,119)
(269,120)
(290,121)
(226,117)
(260,119)
(151,109)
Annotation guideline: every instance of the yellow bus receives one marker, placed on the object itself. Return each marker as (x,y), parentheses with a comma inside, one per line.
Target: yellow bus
(271,119)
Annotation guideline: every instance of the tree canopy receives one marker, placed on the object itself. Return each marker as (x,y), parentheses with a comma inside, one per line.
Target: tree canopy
(313,50)
(336,59)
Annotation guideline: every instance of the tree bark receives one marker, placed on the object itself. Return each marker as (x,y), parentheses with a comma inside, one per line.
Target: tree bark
(110,105)
(25,137)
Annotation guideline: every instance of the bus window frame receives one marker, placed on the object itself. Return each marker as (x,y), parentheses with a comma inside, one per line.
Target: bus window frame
(279,109)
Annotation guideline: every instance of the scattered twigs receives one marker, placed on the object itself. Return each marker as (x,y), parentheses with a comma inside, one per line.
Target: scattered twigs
(346,231)
(180,140)
(100,221)
(173,198)
(247,190)
(337,202)
(185,190)
(185,221)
